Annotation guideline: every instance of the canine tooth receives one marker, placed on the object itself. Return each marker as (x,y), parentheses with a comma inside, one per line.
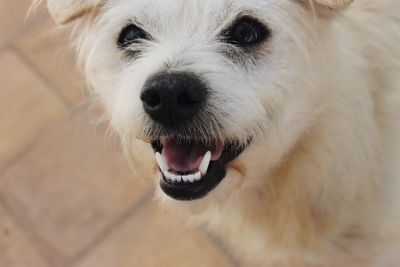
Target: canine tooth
(161,162)
(205,163)
(197,176)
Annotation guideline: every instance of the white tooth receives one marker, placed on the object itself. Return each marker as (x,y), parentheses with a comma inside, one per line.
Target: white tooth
(190,178)
(169,176)
(205,163)
(185,178)
(179,178)
(197,176)
(173,177)
(176,178)
(162,162)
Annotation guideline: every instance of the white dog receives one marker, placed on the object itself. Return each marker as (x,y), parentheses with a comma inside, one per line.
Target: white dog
(276,122)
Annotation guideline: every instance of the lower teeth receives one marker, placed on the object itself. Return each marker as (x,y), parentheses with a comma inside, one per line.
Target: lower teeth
(175,178)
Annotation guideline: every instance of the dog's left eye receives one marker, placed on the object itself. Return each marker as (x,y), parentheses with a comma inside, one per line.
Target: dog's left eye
(131,34)
(247,31)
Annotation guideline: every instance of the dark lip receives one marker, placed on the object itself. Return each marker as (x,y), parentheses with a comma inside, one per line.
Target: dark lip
(215,174)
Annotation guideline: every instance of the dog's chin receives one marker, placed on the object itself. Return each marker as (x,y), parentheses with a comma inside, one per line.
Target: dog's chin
(220,195)
(192,171)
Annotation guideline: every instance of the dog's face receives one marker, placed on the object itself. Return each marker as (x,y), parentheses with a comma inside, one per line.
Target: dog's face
(220,90)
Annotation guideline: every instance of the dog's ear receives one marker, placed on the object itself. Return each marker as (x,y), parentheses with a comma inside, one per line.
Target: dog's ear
(333,4)
(64,11)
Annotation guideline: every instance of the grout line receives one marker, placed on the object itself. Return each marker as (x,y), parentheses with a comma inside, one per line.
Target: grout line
(4,47)
(51,86)
(40,136)
(33,20)
(30,22)
(30,146)
(20,155)
(13,38)
(222,248)
(58,259)
(133,209)
(43,248)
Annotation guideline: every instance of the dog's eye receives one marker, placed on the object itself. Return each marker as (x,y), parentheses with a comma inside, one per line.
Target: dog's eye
(131,34)
(247,31)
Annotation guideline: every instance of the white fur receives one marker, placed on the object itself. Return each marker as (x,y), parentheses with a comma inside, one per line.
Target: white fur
(318,186)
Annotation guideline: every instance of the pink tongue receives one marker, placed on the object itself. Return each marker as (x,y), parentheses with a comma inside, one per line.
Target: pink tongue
(184,157)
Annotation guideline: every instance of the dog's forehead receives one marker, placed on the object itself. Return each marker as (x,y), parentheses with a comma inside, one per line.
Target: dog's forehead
(207,11)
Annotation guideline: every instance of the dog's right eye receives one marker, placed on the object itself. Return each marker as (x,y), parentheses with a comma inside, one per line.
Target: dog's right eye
(246,32)
(131,34)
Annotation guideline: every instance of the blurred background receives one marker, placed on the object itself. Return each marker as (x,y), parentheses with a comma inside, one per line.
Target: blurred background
(67,197)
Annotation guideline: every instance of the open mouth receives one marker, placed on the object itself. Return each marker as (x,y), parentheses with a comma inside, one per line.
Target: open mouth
(190,169)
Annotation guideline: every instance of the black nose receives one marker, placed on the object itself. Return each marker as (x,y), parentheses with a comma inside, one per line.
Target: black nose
(173,98)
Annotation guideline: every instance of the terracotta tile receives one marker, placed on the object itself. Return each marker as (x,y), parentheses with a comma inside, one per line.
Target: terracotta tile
(13,241)
(154,238)
(12,14)
(49,52)
(72,185)
(27,106)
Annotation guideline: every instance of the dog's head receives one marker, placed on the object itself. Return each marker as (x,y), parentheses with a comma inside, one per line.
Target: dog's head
(221,90)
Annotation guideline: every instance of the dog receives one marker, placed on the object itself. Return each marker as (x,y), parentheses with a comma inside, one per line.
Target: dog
(274,122)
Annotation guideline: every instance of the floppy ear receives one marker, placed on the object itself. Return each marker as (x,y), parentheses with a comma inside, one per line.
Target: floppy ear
(64,11)
(334,4)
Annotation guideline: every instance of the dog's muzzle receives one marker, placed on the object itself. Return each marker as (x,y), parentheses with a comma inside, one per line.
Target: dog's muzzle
(191,162)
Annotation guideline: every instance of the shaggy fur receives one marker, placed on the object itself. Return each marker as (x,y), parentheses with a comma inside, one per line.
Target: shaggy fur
(319,185)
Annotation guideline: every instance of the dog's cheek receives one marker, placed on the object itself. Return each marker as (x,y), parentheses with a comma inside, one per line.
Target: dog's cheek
(109,77)
(140,158)
(101,72)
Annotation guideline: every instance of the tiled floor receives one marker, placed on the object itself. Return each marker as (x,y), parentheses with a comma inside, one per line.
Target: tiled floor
(67,197)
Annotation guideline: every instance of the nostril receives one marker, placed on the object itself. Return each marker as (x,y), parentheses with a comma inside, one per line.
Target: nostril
(151,99)
(186,100)
(154,100)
